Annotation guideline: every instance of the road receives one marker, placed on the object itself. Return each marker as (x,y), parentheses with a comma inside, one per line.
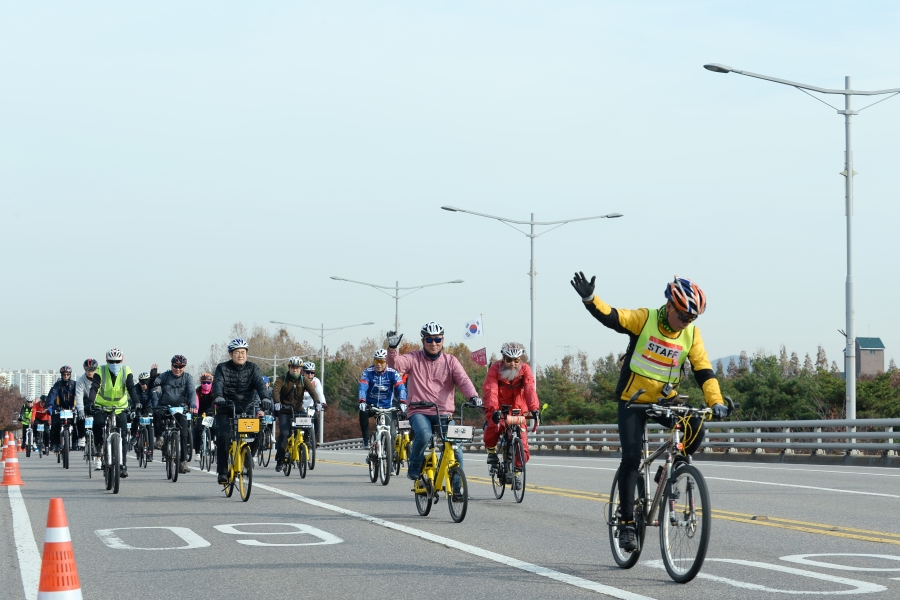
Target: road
(818,531)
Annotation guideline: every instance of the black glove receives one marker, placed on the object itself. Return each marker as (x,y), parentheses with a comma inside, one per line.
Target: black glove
(220,401)
(495,417)
(720,411)
(584,287)
(536,415)
(393,339)
(474,401)
(138,406)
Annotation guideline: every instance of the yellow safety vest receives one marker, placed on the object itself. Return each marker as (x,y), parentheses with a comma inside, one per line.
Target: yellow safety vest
(113,394)
(658,357)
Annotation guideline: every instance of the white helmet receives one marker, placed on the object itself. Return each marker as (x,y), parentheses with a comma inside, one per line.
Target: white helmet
(309,366)
(296,361)
(512,350)
(238,343)
(380,354)
(143,376)
(432,328)
(114,354)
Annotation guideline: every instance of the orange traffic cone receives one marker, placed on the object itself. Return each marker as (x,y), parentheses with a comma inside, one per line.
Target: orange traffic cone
(11,474)
(8,449)
(59,575)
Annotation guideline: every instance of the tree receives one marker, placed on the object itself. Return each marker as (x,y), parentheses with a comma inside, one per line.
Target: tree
(808,367)
(821,359)
(794,365)
(732,369)
(720,373)
(892,366)
(784,361)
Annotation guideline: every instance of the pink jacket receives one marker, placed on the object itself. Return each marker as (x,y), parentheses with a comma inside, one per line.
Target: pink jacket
(432,380)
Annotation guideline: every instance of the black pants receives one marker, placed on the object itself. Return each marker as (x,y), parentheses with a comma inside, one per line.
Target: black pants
(181,422)
(100,423)
(223,438)
(56,425)
(45,433)
(284,432)
(631,436)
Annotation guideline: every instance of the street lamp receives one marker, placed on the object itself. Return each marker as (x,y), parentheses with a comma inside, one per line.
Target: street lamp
(274,362)
(848,173)
(320,331)
(533,236)
(396,295)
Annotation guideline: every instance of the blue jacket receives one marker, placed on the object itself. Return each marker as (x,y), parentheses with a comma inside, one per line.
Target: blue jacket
(61,396)
(378,388)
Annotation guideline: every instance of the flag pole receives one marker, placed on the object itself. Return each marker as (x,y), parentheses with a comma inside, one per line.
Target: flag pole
(484,336)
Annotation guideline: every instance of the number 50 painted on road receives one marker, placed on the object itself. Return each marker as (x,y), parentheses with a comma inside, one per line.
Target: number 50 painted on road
(111,538)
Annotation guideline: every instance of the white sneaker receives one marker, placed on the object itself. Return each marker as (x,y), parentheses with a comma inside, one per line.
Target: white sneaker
(98,465)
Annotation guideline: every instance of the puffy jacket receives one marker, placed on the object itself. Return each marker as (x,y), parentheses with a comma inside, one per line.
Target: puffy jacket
(432,379)
(61,396)
(289,392)
(238,383)
(174,391)
(518,393)
(147,399)
(378,388)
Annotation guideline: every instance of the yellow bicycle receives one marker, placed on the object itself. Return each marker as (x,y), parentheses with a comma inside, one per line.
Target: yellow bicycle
(443,473)
(240,460)
(296,451)
(402,444)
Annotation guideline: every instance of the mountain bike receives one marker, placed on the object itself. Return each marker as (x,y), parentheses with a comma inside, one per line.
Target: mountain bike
(42,433)
(189,423)
(266,441)
(244,429)
(65,437)
(511,461)
(441,471)
(143,444)
(207,455)
(171,446)
(28,440)
(111,457)
(296,450)
(381,445)
(680,506)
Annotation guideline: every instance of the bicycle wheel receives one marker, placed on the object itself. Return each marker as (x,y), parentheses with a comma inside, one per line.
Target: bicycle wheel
(288,457)
(423,499)
(301,464)
(373,460)
(114,465)
(311,461)
(458,498)
(175,453)
(518,456)
(107,470)
(189,451)
(29,442)
(626,560)
(386,450)
(498,478)
(203,451)
(88,453)
(395,459)
(684,524)
(245,477)
(139,448)
(66,444)
(265,450)
(229,487)
(167,455)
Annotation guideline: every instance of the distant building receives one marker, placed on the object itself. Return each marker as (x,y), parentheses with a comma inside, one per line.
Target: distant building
(869,356)
(31,384)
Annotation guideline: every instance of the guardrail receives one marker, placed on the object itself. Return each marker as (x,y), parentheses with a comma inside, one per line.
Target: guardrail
(816,437)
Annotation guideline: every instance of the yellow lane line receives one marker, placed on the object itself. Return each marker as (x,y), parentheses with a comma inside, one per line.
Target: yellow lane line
(808,524)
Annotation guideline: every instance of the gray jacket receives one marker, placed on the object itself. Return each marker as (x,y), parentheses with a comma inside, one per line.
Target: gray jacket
(174,391)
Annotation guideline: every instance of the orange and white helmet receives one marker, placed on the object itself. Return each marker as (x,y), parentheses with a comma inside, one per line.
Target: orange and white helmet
(686,296)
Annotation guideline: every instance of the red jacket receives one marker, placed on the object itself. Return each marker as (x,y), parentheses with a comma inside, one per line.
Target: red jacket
(519,393)
(39,413)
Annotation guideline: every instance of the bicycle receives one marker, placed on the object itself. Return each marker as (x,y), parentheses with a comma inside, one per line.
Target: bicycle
(171,446)
(510,467)
(296,450)
(680,506)
(65,438)
(111,456)
(143,444)
(43,450)
(207,456)
(381,445)
(402,444)
(266,437)
(311,456)
(240,459)
(89,445)
(443,473)
(28,440)
(189,422)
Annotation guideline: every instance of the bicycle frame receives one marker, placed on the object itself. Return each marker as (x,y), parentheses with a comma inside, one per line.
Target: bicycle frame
(239,441)
(295,440)
(437,471)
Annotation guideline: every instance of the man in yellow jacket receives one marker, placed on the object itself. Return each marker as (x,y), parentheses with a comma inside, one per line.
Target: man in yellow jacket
(659,342)
(111,387)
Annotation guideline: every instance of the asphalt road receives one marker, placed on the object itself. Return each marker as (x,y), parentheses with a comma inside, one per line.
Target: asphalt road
(826,531)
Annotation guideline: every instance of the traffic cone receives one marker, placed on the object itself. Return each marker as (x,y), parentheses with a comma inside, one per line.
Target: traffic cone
(8,450)
(59,575)
(11,474)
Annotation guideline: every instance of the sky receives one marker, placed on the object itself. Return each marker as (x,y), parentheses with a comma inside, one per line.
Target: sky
(169,169)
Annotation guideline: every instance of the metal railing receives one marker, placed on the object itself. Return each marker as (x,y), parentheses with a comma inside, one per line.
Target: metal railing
(871,436)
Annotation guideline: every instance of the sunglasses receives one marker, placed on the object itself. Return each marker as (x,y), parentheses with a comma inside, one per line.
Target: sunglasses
(114,362)
(309,372)
(379,361)
(511,360)
(685,317)
(433,340)
(174,366)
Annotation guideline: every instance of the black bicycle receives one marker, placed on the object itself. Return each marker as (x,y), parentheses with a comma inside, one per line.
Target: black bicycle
(43,434)
(171,446)
(65,437)
(111,455)
(265,441)
(510,467)
(207,455)
(143,443)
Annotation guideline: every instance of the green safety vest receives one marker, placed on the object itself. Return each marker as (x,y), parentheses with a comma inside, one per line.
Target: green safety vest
(658,357)
(26,416)
(113,394)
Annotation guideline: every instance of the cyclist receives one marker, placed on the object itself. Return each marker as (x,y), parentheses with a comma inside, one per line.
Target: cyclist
(377,385)
(111,386)
(41,416)
(433,375)
(510,383)
(203,406)
(288,394)
(660,341)
(83,390)
(63,396)
(24,417)
(145,402)
(309,374)
(175,387)
(234,383)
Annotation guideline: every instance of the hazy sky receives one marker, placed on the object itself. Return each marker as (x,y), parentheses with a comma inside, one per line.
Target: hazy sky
(168,169)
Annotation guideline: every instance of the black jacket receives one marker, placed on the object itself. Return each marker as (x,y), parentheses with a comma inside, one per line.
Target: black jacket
(174,391)
(237,383)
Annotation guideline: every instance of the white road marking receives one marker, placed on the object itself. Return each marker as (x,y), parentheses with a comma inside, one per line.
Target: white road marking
(26,547)
(111,539)
(804,559)
(859,587)
(805,487)
(324,536)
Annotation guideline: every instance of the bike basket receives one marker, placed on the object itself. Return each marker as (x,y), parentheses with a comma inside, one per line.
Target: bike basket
(208,421)
(40,428)
(404,425)
(459,433)
(65,414)
(515,420)
(89,421)
(146,420)
(248,425)
(268,419)
(176,410)
(302,422)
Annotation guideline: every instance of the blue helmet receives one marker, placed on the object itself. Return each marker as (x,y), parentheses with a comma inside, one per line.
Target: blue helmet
(238,343)
(265,379)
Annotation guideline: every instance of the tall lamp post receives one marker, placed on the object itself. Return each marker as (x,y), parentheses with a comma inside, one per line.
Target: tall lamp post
(848,173)
(320,331)
(274,361)
(396,295)
(532,236)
